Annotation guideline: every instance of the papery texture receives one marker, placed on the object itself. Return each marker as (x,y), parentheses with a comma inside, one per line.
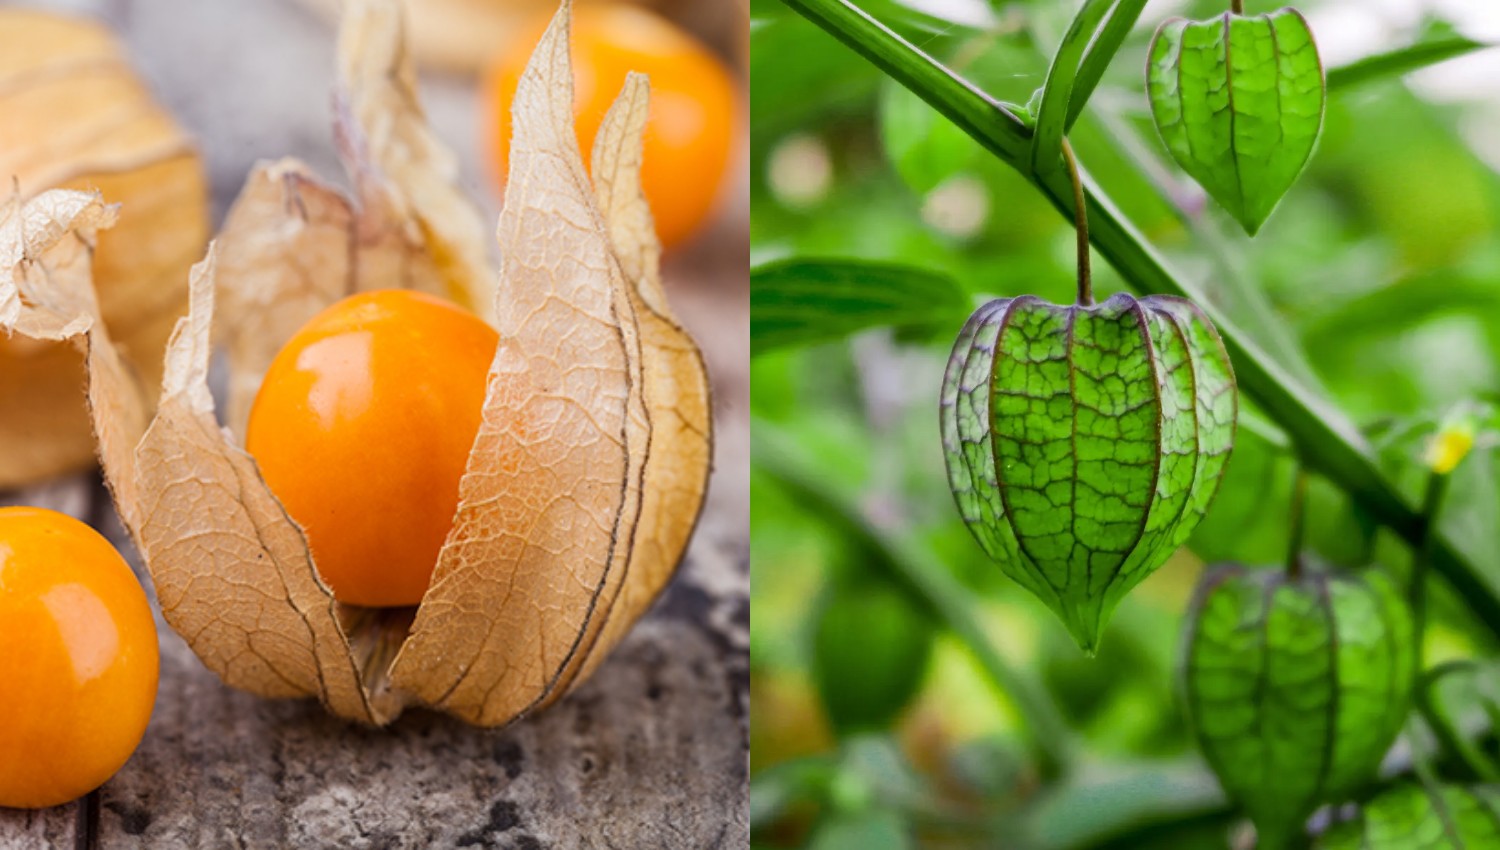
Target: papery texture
(233,574)
(292,244)
(588,472)
(74,115)
(524,579)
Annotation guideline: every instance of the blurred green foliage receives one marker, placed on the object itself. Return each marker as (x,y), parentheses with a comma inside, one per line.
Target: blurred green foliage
(871,645)
(1376,282)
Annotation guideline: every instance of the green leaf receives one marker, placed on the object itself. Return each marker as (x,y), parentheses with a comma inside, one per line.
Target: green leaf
(1239,103)
(804,301)
(1047,736)
(871,646)
(1085,443)
(1412,817)
(1295,685)
(1402,60)
(789,95)
(1107,806)
(925,148)
(873,830)
(777,789)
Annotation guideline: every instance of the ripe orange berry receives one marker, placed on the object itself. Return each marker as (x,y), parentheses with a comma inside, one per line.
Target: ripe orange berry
(362,428)
(78,659)
(694,118)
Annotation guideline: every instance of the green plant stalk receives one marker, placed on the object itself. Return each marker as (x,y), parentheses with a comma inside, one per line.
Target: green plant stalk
(1057,91)
(1448,736)
(1047,735)
(1320,433)
(1103,49)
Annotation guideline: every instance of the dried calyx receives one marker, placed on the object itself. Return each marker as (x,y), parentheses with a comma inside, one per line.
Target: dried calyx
(73,114)
(612,484)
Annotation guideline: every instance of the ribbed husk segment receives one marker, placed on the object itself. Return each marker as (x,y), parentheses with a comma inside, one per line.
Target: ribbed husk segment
(1084,444)
(557,547)
(1413,816)
(1295,686)
(73,114)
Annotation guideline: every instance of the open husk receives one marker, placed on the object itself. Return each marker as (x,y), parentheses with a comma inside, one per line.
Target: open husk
(73,114)
(548,562)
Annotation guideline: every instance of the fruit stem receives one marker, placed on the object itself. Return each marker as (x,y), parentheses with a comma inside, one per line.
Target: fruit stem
(1237,6)
(1294,531)
(1081,229)
(1416,592)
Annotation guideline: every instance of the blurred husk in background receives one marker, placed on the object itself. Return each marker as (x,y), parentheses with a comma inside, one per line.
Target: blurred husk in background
(461,36)
(73,114)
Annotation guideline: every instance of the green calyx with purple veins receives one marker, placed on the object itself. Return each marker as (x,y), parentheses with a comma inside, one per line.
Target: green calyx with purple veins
(1295,684)
(1085,442)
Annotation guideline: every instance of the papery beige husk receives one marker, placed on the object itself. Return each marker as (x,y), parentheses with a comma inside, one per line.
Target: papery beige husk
(547,565)
(73,114)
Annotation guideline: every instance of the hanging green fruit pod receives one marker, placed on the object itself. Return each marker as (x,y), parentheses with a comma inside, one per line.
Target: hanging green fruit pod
(1413,817)
(1084,442)
(1295,685)
(1239,103)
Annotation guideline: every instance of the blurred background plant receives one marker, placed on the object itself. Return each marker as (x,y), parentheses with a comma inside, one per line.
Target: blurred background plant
(904,692)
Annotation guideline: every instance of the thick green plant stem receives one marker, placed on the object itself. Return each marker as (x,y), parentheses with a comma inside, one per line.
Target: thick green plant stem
(1050,741)
(1321,434)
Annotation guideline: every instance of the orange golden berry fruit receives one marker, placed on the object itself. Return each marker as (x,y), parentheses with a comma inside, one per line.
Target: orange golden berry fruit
(78,659)
(694,119)
(362,428)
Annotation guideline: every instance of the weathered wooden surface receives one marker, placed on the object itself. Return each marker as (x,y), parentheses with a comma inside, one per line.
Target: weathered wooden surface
(650,753)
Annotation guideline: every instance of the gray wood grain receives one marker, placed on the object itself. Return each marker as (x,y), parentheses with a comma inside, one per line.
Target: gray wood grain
(650,753)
